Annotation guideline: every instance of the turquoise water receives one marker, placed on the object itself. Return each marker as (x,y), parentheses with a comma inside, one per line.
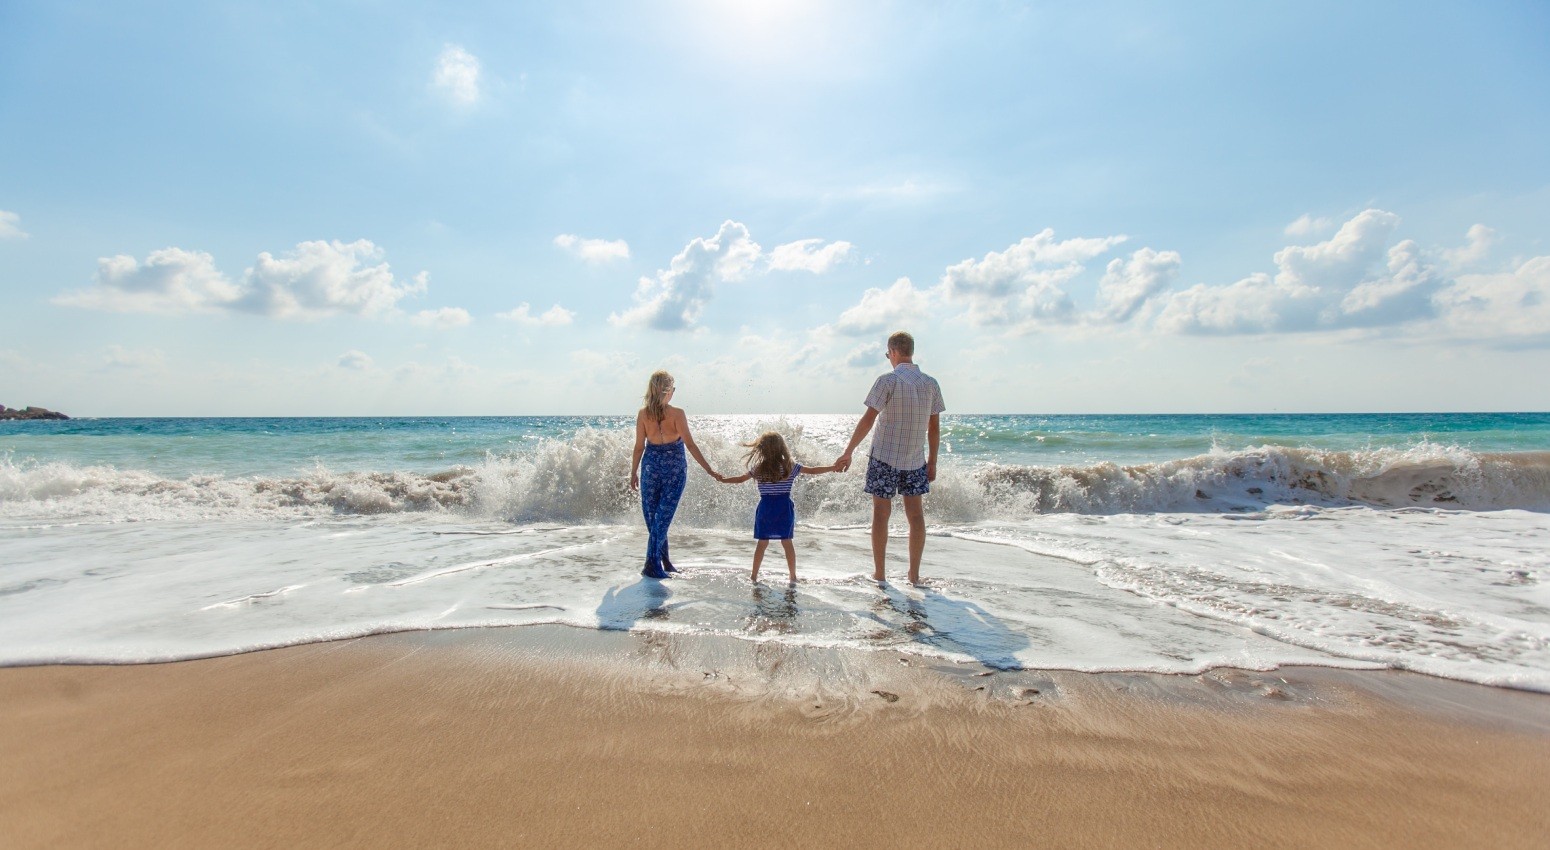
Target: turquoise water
(275,446)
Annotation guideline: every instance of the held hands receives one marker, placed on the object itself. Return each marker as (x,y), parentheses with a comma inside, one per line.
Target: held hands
(842,463)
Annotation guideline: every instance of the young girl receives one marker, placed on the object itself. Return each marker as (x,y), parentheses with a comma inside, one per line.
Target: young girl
(769,463)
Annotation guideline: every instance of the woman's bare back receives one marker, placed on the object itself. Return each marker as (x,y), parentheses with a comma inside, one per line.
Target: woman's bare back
(665,431)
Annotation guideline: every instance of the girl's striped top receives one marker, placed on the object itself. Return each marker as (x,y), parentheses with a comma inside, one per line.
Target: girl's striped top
(779,488)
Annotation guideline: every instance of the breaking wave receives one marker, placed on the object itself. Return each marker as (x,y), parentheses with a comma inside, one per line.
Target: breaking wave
(584,479)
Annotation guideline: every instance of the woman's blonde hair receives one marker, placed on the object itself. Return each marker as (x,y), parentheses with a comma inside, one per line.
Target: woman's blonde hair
(768,458)
(656,394)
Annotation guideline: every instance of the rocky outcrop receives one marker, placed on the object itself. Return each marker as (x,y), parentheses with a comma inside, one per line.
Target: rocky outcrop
(30,413)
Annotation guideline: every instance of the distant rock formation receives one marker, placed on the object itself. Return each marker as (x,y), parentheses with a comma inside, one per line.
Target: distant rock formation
(30,413)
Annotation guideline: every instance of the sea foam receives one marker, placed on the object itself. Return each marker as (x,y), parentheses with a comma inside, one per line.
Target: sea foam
(585,479)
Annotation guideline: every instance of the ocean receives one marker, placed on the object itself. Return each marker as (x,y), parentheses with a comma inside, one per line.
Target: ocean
(1170,544)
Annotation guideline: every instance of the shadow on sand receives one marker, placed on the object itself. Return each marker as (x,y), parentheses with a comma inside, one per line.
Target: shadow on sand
(623,607)
(934,619)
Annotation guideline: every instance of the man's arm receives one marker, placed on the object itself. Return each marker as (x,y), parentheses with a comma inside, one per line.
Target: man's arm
(933,439)
(863,428)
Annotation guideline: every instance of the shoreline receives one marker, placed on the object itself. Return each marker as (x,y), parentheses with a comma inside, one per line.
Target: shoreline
(564,643)
(576,737)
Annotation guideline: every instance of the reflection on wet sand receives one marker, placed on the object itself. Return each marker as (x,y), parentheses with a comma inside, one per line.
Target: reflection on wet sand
(773,611)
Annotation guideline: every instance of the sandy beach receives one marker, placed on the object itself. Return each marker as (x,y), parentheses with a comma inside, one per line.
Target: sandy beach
(563,737)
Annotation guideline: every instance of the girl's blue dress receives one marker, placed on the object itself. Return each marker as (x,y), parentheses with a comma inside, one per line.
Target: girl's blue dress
(776,516)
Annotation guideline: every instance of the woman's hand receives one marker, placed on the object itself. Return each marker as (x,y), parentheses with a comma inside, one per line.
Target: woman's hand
(718,476)
(634,480)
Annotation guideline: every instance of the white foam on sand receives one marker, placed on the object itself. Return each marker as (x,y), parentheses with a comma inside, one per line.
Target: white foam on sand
(1451,593)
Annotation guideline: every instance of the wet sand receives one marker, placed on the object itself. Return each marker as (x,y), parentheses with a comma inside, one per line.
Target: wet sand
(564,737)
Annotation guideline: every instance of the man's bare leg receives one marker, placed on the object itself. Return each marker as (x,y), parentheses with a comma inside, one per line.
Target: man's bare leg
(881,510)
(915,512)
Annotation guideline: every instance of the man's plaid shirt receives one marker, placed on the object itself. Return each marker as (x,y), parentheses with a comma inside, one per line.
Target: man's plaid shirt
(904,399)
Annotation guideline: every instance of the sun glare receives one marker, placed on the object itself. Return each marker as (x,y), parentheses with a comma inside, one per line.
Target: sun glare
(763,32)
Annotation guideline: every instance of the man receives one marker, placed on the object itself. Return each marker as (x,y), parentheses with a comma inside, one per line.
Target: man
(906,405)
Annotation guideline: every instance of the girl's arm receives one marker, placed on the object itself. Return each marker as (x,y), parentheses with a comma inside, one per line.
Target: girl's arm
(640,448)
(694,449)
(736,479)
(819,470)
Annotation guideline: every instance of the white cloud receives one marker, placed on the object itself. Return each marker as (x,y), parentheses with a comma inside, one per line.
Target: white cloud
(884,309)
(321,279)
(1355,280)
(523,315)
(316,280)
(170,281)
(1126,285)
(1255,304)
(442,319)
(1403,294)
(1503,308)
(810,255)
(1307,225)
(865,355)
(457,74)
(359,361)
(1024,282)
(1343,258)
(593,250)
(1478,243)
(11,226)
(1341,282)
(675,297)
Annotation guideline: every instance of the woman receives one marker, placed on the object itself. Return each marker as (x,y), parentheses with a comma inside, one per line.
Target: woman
(661,435)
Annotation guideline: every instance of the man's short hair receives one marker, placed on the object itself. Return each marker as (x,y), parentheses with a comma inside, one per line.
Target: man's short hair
(902,343)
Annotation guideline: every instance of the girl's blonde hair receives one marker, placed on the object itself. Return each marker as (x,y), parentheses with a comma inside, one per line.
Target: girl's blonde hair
(768,458)
(656,394)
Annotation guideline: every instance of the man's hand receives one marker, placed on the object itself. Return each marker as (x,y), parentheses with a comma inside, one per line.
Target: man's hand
(930,470)
(842,463)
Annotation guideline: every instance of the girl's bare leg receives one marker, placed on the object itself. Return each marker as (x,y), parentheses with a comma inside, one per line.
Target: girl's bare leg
(791,558)
(758,557)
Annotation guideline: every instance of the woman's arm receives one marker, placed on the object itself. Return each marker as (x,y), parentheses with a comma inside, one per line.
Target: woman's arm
(640,448)
(694,449)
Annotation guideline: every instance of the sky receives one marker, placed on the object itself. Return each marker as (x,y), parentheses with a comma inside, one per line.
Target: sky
(385,208)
